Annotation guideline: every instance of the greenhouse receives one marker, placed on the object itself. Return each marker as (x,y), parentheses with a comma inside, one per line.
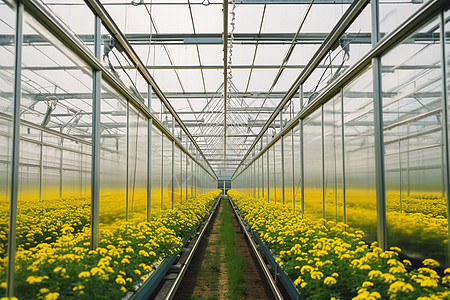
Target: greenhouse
(239,149)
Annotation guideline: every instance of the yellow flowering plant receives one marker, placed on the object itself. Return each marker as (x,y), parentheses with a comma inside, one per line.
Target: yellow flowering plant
(54,259)
(327,260)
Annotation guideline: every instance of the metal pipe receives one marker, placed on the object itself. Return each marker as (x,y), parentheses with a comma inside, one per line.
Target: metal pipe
(225,78)
(445,118)
(15,151)
(173,166)
(378,132)
(95,159)
(149,167)
(344,193)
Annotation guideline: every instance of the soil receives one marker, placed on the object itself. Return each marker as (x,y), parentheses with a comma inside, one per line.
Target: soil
(256,283)
(207,276)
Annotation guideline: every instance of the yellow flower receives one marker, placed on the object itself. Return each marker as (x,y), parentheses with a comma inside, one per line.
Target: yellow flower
(329,281)
(44,290)
(123,289)
(120,280)
(3,285)
(125,261)
(407,262)
(52,296)
(84,274)
(367,284)
(430,263)
(317,275)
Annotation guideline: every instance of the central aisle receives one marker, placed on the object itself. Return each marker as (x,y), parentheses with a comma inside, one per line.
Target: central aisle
(223,267)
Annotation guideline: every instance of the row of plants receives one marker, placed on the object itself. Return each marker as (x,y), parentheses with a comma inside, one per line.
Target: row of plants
(414,222)
(65,267)
(329,260)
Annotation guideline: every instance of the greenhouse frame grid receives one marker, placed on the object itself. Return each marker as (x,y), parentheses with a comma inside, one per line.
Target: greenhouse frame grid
(99,73)
(243,175)
(253,173)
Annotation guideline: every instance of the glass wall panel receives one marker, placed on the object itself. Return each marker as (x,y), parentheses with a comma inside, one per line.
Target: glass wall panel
(394,12)
(297,168)
(137,165)
(334,209)
(359,155)
(189,176)
(113,158)
(156,170)
(177,175)
(42,217)
(7,15)
(278,180)
(414,166)
(272,175)
(312,139)
(167,173)
(288,170)
(183,176)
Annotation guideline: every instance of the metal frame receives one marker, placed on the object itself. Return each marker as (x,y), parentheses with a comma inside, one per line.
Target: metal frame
(415,21)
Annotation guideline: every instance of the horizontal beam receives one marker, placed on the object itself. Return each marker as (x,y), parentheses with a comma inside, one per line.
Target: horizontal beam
(145,39)
(385,68)
(208,95)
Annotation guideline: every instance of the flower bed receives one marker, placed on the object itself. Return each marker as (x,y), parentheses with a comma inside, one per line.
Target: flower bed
(328,260)
(65,267)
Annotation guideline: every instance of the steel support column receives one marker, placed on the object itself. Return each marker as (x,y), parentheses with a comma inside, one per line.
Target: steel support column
(344,193)
(149,158)
(15,152)
(445,118)
(95,160)
(323,162)
(378,132)
(173,165)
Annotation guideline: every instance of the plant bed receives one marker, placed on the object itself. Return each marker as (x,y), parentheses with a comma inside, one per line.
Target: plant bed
(128,252)
(328,260)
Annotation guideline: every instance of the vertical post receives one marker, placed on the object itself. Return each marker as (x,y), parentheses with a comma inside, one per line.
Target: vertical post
(173,163)
(181,176)
(149,157)
(293,169)
(192,178)
(95,168)
(15,152)
(225,79)
(378,131)
(61,166)
(262,171)
(268,174)
(257,166)
(161,185)
(445,119)
(186,177)
(302,168)
(323,163)
(274,175)
(344,193)
(41,148)
(300,131)
(282,169)
(128,163)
